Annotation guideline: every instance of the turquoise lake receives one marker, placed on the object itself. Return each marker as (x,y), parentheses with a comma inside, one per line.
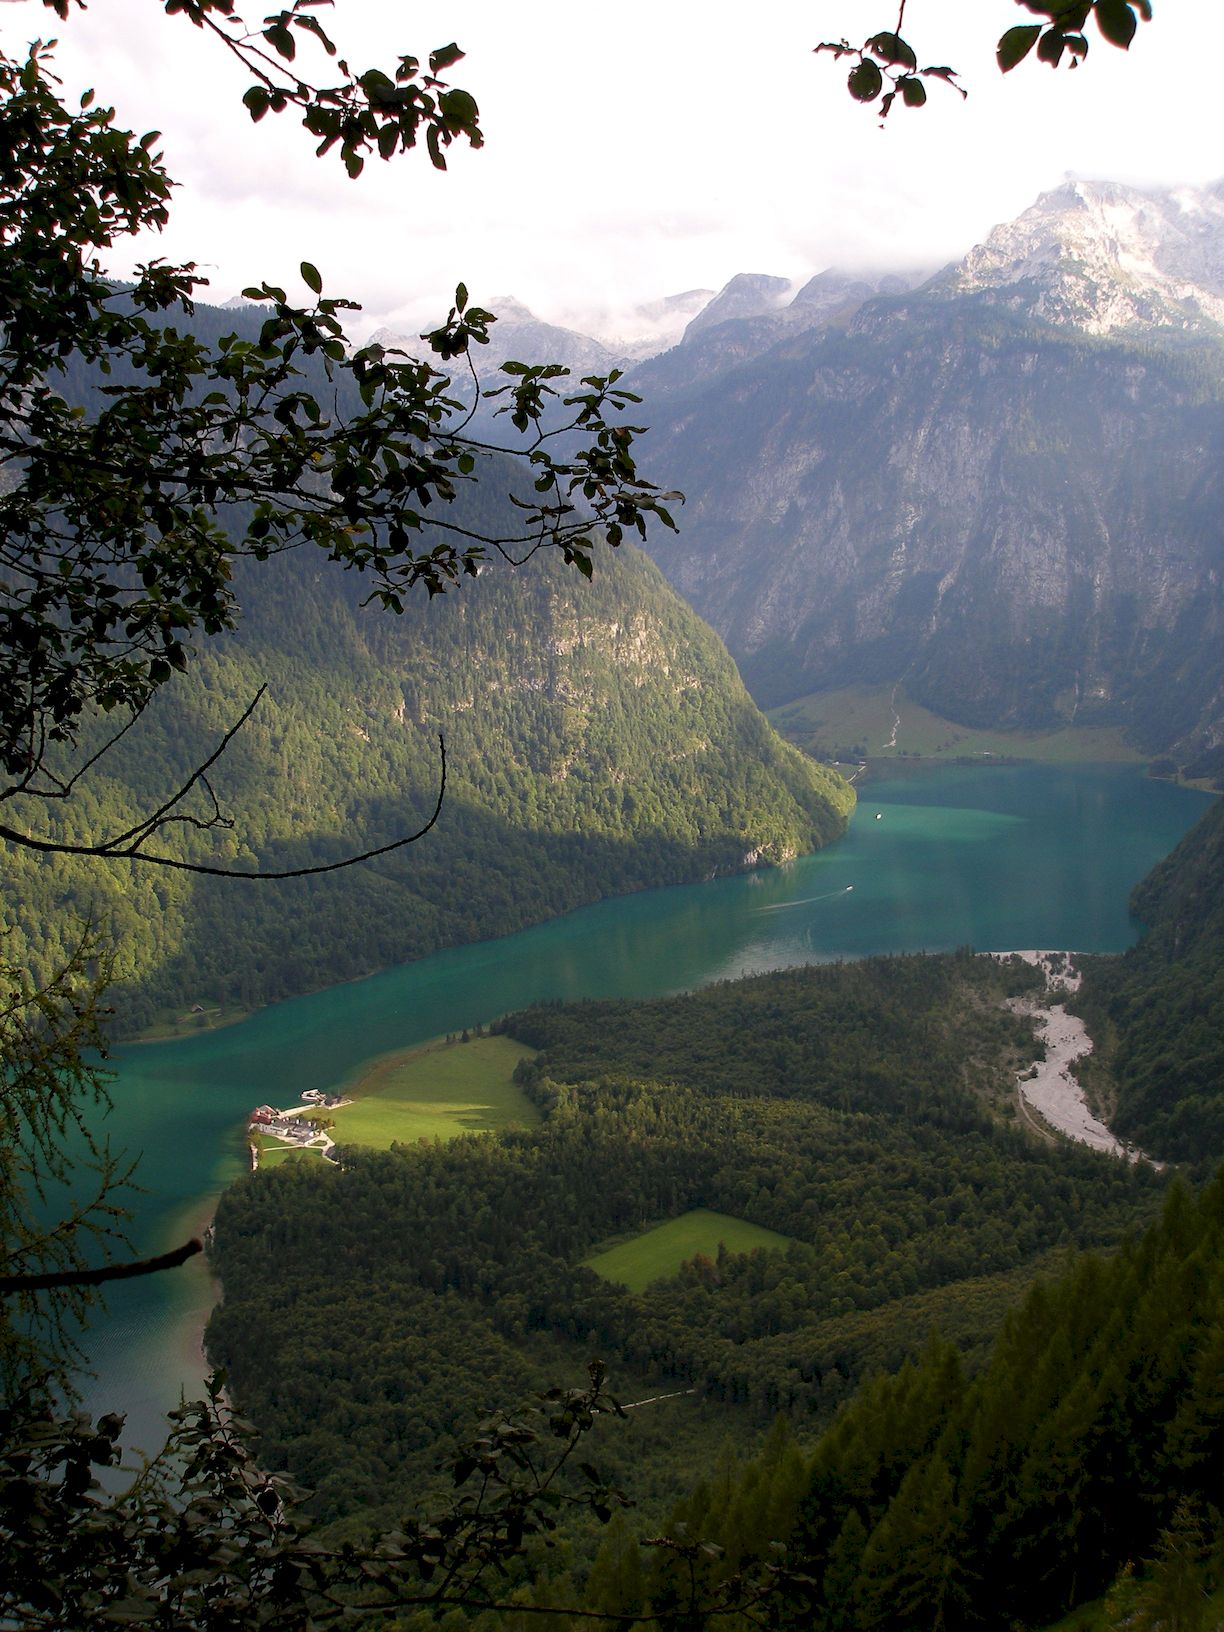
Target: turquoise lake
(996,857)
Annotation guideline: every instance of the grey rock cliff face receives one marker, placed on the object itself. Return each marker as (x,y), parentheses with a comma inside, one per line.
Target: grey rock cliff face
(753,313)
(1004,496)
(748,294)
(1104,258)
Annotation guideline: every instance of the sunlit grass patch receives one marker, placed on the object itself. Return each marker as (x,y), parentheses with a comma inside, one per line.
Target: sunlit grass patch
(435,1092)
(273,1154)
(862,718)
(659,1252)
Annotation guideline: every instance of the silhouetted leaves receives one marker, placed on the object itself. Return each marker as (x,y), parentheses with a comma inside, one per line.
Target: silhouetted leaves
(886,57)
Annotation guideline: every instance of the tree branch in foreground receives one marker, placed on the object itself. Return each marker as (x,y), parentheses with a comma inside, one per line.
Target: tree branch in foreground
(127,846)
(108,1272)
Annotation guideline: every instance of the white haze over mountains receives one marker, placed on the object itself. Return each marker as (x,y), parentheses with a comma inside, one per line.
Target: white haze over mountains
(652,148)
(1097,256)
(612,338)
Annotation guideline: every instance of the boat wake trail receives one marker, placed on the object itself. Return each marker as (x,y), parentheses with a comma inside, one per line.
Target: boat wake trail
(807,900)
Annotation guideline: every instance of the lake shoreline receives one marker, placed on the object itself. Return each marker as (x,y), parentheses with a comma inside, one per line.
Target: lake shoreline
(951,863)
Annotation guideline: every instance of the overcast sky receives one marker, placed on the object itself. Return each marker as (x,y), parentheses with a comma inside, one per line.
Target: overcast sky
(638,149)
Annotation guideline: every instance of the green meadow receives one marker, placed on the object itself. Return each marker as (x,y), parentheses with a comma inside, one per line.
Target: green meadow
(168,1024)
(660,1252)
(862,718)
(435,1092)
(272,1153)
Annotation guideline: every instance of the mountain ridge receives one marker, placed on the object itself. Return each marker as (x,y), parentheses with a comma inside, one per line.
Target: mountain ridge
(1017,516)
(598,741)
(1102,257)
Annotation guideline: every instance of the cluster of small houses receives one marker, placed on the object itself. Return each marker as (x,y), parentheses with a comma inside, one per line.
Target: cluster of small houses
(285,1125)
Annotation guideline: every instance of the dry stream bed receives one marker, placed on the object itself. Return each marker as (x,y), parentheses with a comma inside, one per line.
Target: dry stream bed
(1049,1086)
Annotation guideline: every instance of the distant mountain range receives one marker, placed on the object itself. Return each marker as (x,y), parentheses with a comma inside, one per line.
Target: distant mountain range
(772,306)
(519,335)
(1001,486)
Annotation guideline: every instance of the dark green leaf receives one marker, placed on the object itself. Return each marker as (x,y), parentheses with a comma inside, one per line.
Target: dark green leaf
(256,100)
(865,81)
(1050,47)
(281,41)
(311,278)
(459,108)
(893,49)
(1016,45)
(1116,21)
(378,88)
(445,57)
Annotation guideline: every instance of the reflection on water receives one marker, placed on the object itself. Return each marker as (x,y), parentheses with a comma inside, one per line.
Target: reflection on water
(999,857)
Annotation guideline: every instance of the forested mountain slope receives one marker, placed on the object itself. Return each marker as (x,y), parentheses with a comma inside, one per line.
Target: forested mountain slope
(1003,488)
(1160,1008)
(1090,1444)
(598,740)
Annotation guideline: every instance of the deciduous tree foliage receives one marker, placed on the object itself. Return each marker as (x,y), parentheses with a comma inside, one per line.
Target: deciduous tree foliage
(52,1091)
(886,66)
(119,525)
(204,1539)
(122,517)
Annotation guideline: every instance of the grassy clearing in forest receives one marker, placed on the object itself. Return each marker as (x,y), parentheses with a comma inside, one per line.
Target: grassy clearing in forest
(272,1153)
(661,1251)
(862,718)
(435,1092)
(172,1023)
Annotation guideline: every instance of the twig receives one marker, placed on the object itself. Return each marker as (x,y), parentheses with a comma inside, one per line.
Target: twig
(109,1272)
(134,853)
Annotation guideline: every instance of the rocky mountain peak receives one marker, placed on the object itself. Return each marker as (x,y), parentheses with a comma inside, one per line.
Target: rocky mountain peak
(747,294)
(832,286)
(511,310)
(1104,257)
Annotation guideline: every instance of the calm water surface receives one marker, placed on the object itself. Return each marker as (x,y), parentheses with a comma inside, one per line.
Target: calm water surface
(998,857)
